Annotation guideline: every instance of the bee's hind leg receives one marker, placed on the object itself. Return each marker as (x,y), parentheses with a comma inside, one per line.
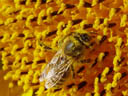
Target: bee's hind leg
(72,71)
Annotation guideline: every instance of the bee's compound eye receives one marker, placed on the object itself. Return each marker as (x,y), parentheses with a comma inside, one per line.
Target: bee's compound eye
(85,37)
(72,49)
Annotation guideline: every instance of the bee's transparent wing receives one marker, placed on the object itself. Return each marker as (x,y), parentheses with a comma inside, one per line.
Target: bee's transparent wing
(55,70)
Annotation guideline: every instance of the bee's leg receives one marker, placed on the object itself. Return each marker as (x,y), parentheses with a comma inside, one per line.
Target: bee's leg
(44,46)
(85,60)
(73,72)
(47,47)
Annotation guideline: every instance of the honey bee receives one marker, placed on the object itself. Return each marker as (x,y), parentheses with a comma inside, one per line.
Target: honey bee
(61,63)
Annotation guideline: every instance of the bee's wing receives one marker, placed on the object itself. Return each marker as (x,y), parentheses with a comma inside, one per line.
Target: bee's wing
(55,70)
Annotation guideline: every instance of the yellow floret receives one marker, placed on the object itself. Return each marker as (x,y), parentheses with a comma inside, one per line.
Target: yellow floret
(28,93)
(6,37)
(94,2)
(38,2)
(103,75)
(40,91)
(28,2)
(14,35)
(83,23)
(112,13)
(123,20)
(59,27)
(108,89)
(116,77)
(14,48)
(125,2)
(62,8)
(81,3)
(67,29)
(11,85)
(125,93)
(35,77)
(41,14)
(96,23)
(96,85)
(100,57)
(26,87)
(28,21)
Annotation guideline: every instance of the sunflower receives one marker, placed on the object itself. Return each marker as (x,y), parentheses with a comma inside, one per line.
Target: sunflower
(31,29)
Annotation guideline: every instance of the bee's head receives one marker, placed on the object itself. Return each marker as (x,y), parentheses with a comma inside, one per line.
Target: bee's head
(85,37)
(73,48)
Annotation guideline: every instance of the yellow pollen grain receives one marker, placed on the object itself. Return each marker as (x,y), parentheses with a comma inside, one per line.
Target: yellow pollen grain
(96,23)
(62,8)
(48,12)
(111,38)
(125,3)
(59,28)
(14,35)
(89,11)
(35,77)
(108,89)
(38,2)
(103,75)
(41,14)
(67,29)
(123,20)
(94,2)
(8,75)
(100,57)
(119,42)
(19,83)
(27,43)
(15,47)
(17,4)
(26,87)
(34,64)
(23,62)
(28,2)
(105,21)
(5,37)
(99,37)
(81,4)
(125,93)
(5,64)
(83,23)
(28,93)
(3,8)
(11,85)
(96,86)
(48,1)
(118,54)
(4,54)
(105,31)
(40,91)
(111,13)
(116,77)
(9,10)
(28,21)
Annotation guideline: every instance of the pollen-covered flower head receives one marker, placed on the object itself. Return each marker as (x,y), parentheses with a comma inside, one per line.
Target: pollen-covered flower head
(32,32)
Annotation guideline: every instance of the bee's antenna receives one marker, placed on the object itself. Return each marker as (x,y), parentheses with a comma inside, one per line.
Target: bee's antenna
(92,32)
